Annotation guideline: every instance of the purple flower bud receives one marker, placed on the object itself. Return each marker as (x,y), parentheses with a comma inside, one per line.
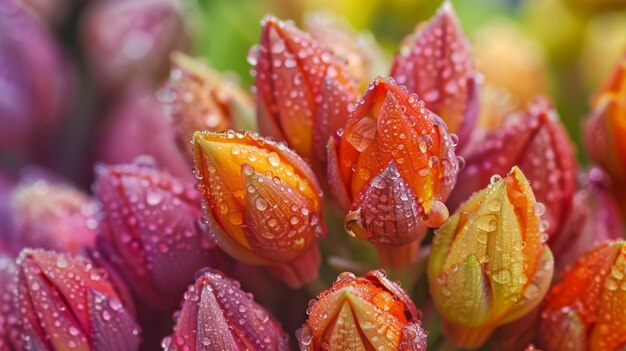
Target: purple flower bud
(127,40)
(64,302)
(53,216)
(138,126)
(34,80)
(217,315)
(151,231)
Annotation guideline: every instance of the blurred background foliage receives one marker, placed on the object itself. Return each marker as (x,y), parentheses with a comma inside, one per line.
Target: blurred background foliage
(565,47)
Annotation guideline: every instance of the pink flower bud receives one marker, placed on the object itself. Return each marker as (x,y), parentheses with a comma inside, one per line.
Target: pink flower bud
(151,231)
(53,217)
(129,40)
(217,315)
(9,329)
(64,302)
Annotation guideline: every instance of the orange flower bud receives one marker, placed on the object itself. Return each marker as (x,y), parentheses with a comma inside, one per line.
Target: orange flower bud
(200,98)
(393,165)
(585,310)
(605,127)
(263,203)
(435,63)
(291,73)
(489,264)
(368,313)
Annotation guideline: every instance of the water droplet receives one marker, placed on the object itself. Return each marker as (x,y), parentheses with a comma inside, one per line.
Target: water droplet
(235,218)
(610,284)
(501,276)
(495,179)
(253,55)
(61,262)
(73,330)
(261,204)
(540,209)
(532,291)
(487,222)
(352,224)
(153,198)
(494,205)
(273,159)
(424,143)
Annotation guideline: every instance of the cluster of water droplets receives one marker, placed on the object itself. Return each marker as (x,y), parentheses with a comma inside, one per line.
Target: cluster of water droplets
(216,302)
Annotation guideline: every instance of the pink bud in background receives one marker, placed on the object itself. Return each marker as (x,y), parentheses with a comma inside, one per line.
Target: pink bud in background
(64,302)
(9,329)
(151,231)
(53,216)
(594,218)
(138,126)
(217,315)
(435,63)
(535,141)
(130,40)
(35,82)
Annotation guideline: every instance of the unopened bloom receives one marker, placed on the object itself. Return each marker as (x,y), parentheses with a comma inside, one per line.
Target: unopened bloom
(594,218)
(489,263)
(538,144)
(36,82)
(9,329)
(217,315)
(363,313)
(605,127)
(138,126)
(53,216)
(64,302)
(131,40)
(151,231)
(292,71)
(393,165)
(359,50)
(435,63)
(200,98)
(585,310)
(263,203)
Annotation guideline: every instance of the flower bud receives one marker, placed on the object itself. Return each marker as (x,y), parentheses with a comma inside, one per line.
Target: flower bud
(594,218)
(393,165)
(604,128)
(53,217)
(64,302)
(131,40)
(217,315)
(138,126)
(291,73)
(36,83)
(263,203)
(151,232)
(362,313)
(9,329)
(435,63)
(538,144)
(585,310)
(489,264)
(360,51)
(199,98)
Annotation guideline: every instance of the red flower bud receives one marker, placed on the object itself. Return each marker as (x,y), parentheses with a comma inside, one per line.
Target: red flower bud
(585,310)
(9,328)
(538,144)
(151,232)
(138,126)
(263,203)
(64,302)
(435,63)
(594,218)
(393,165)
(131,40)
(53,216)
(368,313)
(36,84)
(217,315)
(292,71)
